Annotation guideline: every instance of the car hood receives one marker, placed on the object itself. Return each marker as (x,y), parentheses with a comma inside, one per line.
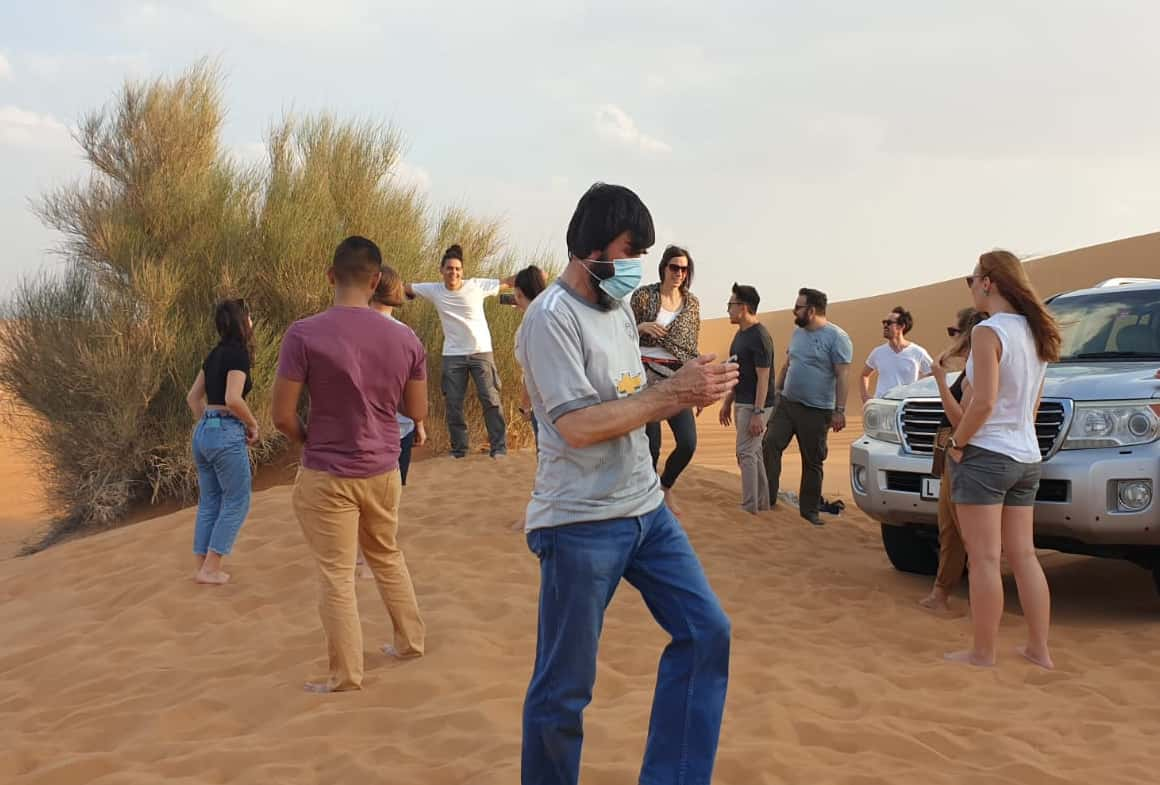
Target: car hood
(1087,381)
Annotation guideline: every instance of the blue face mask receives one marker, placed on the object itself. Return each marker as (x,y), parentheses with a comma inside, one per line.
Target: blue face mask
(626,275)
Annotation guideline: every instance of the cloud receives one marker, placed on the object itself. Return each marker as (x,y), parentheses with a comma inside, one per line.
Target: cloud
(23,128)
(57,65)
(299,18)
(409,175)
(613,124)
(5,67)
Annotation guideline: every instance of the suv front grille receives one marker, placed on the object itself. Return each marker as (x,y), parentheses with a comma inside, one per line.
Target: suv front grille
(920,420)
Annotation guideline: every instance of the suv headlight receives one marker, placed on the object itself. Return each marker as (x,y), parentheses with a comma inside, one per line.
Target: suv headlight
(880,421)
(1113,424)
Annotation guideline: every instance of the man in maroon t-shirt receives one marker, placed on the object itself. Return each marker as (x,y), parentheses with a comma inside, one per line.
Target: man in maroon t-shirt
(360,369)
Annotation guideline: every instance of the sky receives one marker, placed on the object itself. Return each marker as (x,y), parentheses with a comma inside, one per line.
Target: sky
(855,147)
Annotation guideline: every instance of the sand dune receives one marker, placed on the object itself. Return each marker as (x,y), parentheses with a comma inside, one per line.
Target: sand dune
(934,306)
(115,668)
(24,511)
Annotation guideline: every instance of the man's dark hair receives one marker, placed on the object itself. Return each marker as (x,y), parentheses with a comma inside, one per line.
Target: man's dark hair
(531,281)
(603,213)
(672,252)
(747,295)
(454,252)
(814,299)
(356,260)
(905,320)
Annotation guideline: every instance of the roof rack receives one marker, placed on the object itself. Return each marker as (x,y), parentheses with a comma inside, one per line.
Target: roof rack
(1124,282)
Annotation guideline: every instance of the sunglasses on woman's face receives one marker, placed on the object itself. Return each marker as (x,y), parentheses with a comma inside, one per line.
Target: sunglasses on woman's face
(889,322)
(954,332)
(678,269)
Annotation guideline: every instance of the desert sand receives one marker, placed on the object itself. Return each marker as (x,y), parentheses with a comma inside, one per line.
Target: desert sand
(116,668)
(24,510)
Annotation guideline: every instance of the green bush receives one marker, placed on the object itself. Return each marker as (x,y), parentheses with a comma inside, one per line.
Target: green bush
(168,223)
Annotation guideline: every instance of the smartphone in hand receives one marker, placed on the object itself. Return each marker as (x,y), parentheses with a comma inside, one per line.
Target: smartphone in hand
(507,298)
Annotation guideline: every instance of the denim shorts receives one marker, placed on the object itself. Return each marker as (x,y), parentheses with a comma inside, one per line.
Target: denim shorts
(986,478)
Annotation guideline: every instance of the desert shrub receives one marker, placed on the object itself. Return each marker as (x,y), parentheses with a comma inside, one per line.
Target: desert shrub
(167,223)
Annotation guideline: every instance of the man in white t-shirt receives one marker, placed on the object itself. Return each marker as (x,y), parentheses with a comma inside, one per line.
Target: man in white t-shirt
(898,361)
(467,349)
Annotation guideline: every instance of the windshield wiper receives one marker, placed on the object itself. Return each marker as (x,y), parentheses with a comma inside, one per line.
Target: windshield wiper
(1113,356)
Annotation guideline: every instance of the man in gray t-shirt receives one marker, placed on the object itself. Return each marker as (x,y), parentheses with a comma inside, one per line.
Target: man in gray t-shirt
(811,399)
(597,513)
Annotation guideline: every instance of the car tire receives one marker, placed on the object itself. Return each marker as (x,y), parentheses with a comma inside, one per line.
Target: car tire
(910,550)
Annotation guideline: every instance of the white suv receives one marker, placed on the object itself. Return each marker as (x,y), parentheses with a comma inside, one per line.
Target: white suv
(1099,432)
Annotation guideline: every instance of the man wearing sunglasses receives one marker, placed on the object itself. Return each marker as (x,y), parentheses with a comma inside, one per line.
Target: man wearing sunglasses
(811,399)
(898,361)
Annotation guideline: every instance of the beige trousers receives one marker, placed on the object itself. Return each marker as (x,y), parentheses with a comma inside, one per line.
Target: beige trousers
(337,516)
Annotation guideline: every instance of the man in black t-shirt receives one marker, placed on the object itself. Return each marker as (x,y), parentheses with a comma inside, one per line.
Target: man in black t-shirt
(752,350)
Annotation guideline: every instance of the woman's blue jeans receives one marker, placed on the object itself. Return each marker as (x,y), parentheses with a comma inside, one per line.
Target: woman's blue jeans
(223,478)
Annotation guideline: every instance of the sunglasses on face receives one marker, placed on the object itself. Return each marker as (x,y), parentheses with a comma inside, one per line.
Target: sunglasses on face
(732,303)
(954,332)
(678,269)
(889,322)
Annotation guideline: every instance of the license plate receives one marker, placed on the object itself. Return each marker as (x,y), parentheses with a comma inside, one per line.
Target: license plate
(930,488)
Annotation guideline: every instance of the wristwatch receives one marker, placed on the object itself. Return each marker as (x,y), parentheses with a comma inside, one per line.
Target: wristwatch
(840,409)
(758,410)
(952,444)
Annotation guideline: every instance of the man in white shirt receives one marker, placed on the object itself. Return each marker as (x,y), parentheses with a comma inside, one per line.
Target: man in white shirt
(467,349)
(898,361)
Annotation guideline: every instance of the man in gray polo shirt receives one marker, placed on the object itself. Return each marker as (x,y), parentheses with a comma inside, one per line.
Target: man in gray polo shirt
(597,513)
(811,399)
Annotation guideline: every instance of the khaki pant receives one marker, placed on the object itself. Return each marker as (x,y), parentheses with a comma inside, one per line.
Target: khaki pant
(952,555)
(338,515)
(754,483)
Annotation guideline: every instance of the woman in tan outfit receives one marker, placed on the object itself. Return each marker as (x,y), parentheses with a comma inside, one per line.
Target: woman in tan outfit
(952,555)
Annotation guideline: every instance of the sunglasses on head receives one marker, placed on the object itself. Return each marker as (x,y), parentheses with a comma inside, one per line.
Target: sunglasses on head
(678,268)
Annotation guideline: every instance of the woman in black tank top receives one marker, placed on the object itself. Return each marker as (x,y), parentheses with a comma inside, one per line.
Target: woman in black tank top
(225,427)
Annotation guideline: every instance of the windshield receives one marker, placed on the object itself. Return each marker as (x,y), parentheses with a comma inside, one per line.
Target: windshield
(1109,325)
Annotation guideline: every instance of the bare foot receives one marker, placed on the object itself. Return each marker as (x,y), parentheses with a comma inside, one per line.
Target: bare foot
(212,578)
(970,657)
(935,601)
(391,651)
(1043,660)
(673,508)
(318,686)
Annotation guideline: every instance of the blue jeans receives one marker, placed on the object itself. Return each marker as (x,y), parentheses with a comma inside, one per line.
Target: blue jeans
(223,479)
(481,368)
(405,445)
(580,568)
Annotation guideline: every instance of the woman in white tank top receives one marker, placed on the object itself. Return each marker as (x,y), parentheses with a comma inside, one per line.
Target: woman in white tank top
(997,457)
